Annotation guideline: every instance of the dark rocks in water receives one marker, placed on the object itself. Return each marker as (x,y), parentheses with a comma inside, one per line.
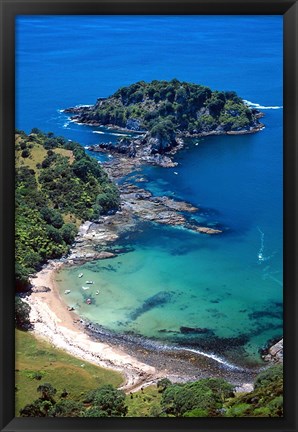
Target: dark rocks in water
(114,250)
(124,250)
(105,255)
(158,299)
(264,327)
(265,314)
(216,313)
(210,343)
(109,268)
(124,146)
(167,331)
(194,330)
(174,204)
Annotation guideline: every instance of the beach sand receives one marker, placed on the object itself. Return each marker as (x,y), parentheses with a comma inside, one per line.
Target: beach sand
(55,323)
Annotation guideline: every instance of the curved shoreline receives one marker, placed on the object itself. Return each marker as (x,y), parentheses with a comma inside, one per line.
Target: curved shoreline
(140,366)
(54,322)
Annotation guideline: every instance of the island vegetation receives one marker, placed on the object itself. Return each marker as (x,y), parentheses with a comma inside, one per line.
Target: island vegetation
(166,111)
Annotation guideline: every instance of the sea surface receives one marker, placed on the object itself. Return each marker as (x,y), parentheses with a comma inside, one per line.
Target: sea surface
(229,284)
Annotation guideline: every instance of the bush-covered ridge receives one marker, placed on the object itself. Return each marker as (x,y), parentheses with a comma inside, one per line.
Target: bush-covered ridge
(57,186)
(208,397)
(182,107)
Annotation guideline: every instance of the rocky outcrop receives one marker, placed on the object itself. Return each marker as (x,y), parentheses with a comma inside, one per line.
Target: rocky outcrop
(274,353)
(162,210)
(165,113)
(145,154)
(137,205)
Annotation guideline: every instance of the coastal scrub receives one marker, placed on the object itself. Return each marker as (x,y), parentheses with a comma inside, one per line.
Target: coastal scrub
(166,111)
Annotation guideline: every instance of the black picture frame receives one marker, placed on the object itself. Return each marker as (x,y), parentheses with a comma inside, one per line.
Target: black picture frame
(289,11)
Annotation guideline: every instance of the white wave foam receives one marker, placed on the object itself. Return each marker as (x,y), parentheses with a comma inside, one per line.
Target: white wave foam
(258,106)
(164,347)
(110,133)
(213,357)
(119,134)
(83,106)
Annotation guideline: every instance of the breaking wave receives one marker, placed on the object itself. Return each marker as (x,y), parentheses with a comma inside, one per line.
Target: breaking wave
(213,357)
(258,106)
(110,133)
(98,330)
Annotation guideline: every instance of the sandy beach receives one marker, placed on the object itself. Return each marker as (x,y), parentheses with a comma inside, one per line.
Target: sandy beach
(55,323)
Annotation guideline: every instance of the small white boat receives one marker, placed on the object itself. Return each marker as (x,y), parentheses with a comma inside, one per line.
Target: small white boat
(175,172)
(97,292)
(80,275)
(66,291)
(85,288)
(89,282)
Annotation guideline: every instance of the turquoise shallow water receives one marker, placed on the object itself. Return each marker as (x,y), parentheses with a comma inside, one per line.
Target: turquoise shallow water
(226,293)
(231,284)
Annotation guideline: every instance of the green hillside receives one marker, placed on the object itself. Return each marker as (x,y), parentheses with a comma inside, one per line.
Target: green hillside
(57,187)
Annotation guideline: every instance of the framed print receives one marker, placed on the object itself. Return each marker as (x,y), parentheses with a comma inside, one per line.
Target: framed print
(148,224)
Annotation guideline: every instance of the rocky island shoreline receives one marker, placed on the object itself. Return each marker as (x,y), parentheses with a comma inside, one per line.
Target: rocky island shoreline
(163,114)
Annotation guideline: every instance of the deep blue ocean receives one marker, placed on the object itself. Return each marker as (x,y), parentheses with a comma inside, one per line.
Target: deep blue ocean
(232,283)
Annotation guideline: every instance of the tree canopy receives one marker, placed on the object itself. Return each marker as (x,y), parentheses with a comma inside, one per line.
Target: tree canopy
(191,108)
(57,187)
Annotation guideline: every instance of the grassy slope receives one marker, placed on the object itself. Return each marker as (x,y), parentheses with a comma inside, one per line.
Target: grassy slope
(57,368)
(144,403)
(37,155)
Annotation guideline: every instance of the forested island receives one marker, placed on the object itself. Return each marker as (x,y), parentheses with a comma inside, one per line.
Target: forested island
(166,112)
